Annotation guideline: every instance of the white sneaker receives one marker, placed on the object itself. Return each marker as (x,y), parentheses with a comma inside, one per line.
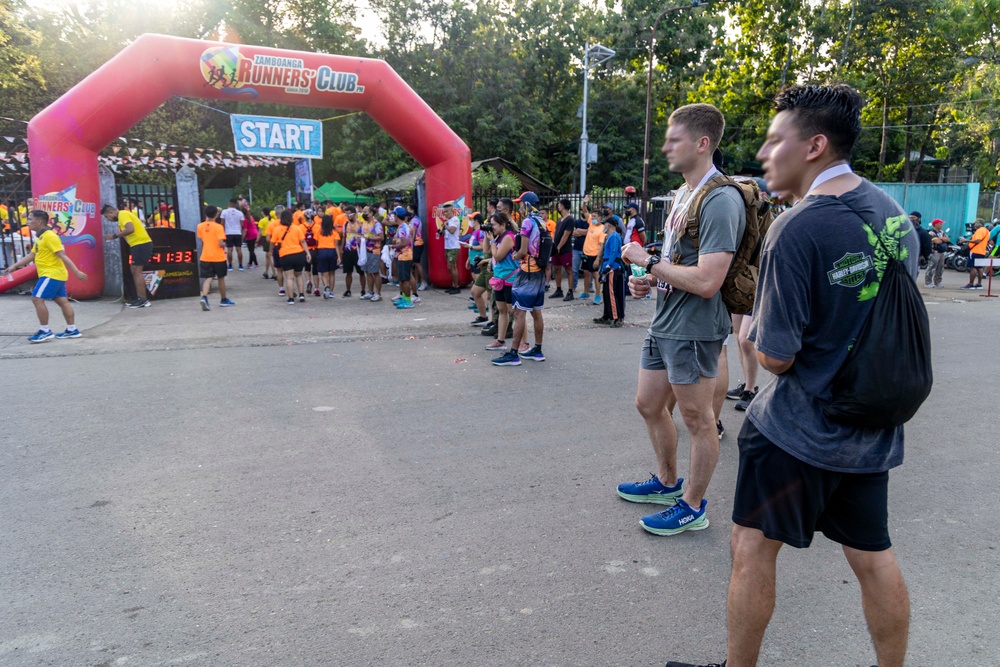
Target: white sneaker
(422,287)
(366,296)
(415,299)
(376,298)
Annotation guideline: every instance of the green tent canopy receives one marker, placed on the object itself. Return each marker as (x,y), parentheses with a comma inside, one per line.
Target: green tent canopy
(336,192)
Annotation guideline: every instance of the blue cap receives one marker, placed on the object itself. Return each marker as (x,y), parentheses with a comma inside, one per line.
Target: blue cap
(399,211)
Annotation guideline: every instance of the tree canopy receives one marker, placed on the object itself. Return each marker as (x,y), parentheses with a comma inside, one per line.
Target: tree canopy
(506,75)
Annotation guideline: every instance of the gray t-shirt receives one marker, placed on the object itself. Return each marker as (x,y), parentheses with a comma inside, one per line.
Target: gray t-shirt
(681,315)
(818,277)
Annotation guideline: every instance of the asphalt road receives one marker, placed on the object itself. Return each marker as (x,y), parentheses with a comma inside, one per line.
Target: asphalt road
(401,502)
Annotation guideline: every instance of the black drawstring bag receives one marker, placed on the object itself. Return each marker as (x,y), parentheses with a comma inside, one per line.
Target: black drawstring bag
(887,374)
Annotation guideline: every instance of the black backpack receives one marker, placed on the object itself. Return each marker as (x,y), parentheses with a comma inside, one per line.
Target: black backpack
(544,243)
(887,374)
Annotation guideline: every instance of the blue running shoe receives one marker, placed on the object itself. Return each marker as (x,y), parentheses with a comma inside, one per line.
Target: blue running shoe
(508,359)
(43,336)
(651,491)
(534,354)
(403,305)
(677,519)
(597,300)
(585,295)
(75,333)
(227,302)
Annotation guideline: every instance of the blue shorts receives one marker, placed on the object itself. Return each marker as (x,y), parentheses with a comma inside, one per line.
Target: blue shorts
(529,290)
(49,288)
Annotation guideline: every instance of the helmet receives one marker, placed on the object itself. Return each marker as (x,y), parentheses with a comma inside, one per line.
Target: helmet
(629,190)
(529,198)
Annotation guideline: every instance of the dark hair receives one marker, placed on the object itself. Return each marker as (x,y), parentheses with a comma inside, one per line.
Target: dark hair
(266,211)
(833,111)
(502,218)
(507,202)
(493,201)
(565,203)
(232,202)
(41,215)
(211,211)
(108,207)
(348,208)
(326,225)
(286,218)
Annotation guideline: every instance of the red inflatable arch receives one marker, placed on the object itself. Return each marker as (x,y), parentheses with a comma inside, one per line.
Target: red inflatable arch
(65,138)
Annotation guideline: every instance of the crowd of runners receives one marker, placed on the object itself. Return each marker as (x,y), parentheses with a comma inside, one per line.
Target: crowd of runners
(800,470)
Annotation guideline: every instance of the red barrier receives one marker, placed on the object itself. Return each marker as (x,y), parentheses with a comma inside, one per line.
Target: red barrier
(65,138)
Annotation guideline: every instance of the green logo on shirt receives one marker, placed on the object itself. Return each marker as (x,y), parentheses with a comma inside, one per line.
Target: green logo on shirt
(850,270)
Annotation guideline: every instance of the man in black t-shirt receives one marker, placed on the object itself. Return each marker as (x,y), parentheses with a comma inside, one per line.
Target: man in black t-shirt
(799,471)
(562,251)
(580,226)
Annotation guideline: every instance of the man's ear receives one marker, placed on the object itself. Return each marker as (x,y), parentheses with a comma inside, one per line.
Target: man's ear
(818,145)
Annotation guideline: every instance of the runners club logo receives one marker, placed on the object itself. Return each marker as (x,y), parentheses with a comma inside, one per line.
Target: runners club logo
(225,68)
(68,215)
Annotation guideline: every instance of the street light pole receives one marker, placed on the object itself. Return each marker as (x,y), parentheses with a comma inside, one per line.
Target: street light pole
(649,95)
(601,54)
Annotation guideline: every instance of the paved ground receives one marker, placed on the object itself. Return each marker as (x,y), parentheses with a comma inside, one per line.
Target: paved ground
(339,483)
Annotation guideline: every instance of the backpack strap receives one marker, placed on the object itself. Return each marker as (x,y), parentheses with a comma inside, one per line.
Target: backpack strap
(692,223)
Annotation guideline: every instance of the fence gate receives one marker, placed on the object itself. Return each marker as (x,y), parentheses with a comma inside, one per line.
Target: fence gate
(147,198)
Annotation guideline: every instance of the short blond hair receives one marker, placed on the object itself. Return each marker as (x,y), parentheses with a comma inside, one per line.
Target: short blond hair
(701,120)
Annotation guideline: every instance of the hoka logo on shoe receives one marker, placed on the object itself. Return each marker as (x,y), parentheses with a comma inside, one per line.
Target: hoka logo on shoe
(684,520)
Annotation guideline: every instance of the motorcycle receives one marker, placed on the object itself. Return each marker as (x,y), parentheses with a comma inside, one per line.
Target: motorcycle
(957,257)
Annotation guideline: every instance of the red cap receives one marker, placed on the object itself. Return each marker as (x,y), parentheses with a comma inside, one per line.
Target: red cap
(937,221)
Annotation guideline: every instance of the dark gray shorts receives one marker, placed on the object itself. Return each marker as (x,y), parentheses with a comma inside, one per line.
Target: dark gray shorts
(685,361)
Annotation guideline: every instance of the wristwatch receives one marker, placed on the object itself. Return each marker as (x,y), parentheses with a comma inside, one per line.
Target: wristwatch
(651,262)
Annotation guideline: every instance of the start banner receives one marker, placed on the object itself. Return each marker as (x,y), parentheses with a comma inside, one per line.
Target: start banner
(278,137)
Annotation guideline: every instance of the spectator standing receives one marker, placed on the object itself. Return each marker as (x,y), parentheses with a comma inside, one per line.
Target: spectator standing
(294,255)
(612,276)
(403,245)
(327,242)
(449,226)
(978,245)
(635,226)
(939,246)
(417,227)
(232,220)
(797,476)
(528,290)
(373,236)
(580,227)
(250,235)
(505,268)
(212,259)
(681,354)
(591,256)
(562,251)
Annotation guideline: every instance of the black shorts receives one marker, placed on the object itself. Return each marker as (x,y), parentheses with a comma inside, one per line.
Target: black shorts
(294,262)
(141,253)
(276,257)
(788,500)
(234,240)
(589,263)
(418,252)
(350,262)
(212,269)
(504,295)
(973,256)
(403,269)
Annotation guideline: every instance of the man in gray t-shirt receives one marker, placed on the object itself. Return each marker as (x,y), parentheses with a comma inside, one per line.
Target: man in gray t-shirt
(680,356)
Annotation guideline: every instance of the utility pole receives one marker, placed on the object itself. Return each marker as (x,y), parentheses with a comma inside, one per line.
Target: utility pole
(593,55)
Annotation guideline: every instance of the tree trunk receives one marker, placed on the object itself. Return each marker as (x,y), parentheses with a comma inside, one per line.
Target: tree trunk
(907,147)
(925,144)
